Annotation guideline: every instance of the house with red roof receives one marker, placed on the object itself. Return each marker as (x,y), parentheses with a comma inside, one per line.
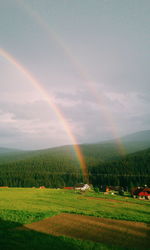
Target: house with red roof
(141,193)
(42,187)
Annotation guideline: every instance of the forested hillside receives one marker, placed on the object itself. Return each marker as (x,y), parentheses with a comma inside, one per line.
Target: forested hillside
(93,152)
(51,168)
(131,170)
(59,167)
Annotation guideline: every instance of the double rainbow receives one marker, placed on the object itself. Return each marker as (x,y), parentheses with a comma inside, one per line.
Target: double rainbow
(86,79)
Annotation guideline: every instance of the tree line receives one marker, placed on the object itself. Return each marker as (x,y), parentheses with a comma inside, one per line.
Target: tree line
(57,169)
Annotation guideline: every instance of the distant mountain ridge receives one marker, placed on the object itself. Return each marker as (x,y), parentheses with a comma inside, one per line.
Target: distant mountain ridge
(59,166)
(138,136)
(104,150)
(8,150)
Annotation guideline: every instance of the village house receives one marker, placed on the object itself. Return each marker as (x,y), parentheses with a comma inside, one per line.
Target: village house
(106,189)
(141,193)
(42,187)
(82,187)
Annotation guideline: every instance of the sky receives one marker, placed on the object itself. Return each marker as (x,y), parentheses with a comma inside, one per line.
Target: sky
(90,63)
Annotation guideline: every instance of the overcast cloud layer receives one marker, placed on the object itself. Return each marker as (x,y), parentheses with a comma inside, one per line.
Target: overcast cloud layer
(92,59)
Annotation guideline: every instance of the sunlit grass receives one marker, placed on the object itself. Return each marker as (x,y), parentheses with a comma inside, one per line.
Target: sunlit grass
(25,205)
(20,206)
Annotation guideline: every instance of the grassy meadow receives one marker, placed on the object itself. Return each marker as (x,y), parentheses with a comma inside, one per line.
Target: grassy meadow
(20,206)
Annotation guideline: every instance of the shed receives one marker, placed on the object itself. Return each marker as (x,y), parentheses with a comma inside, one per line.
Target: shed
(82,187)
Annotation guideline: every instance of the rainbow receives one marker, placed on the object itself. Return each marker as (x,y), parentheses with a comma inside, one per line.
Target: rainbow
(38,86)
(87,81)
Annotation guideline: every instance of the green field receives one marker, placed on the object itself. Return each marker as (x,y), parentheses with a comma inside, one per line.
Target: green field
(20,206)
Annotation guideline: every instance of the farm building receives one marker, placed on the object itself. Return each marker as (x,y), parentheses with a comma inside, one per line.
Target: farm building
(141,193)
(68,187)
(104,188)
(82,187)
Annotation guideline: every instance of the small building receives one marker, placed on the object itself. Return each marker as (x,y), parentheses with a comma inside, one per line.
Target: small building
(105,188)
(82,187)
(42,187)
(141,193)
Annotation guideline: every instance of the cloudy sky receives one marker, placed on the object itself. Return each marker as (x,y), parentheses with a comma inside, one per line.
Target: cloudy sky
(90,63)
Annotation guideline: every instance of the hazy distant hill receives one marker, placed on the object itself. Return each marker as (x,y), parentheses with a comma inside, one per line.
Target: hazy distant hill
(138,136)
(135,141)
(8,150)
(93,152)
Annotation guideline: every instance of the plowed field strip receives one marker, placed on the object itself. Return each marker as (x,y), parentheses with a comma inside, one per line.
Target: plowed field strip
(110,231)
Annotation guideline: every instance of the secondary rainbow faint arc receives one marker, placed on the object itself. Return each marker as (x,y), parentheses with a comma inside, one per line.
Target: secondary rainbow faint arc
(47,98)
(79,68)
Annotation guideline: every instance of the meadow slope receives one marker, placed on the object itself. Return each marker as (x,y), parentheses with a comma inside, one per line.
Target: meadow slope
(20,206)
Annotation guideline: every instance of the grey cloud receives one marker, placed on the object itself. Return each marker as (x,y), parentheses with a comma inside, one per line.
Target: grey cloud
(105,44)
(30,110)
(9,132)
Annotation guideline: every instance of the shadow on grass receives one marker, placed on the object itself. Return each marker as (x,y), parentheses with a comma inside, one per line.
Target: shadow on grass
(4,225)
(13,239)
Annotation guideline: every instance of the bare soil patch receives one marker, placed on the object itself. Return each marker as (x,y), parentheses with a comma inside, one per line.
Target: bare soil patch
(117,232)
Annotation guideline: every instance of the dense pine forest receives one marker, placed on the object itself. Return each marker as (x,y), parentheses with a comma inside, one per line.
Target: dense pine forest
(59,167)
(128,171)
(51,168)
